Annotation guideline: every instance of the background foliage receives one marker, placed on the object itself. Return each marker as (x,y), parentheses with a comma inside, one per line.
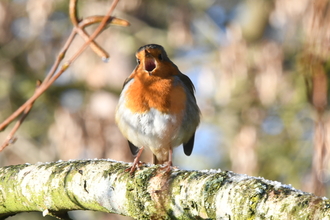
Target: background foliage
(259,67)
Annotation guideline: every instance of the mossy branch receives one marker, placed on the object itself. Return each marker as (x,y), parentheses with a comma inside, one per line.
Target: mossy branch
(103,185)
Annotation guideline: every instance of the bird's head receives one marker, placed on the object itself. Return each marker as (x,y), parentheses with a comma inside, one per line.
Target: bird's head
(152,59)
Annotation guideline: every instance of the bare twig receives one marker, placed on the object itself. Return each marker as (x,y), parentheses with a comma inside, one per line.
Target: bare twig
(44,85)
(98,30)
(73,16)
(52,76)
(98,18)
(10,138)
(59,58)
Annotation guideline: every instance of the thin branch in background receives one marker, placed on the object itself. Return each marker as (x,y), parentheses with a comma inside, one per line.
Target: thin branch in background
(97,19)
(74,19)
(97,31)
(52,76)
(59,58)
(10,138)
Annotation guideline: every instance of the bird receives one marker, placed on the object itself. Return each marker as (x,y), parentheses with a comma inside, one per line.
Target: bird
(157,108)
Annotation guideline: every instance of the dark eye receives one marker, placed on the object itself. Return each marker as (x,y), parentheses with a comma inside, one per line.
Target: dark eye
(160,57)
(138,61)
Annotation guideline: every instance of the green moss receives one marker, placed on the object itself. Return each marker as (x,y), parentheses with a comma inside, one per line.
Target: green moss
(195,175)
(15,167)
(212,186)
(249,193)
(116,168)
(8,183)
(139,200)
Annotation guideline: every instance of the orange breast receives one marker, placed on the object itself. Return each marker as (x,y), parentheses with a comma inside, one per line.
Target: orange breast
(165,95)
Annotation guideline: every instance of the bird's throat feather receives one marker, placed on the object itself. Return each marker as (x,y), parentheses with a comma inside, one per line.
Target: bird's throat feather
(160,94)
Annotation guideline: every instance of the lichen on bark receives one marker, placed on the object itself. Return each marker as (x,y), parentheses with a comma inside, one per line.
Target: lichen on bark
(151,193)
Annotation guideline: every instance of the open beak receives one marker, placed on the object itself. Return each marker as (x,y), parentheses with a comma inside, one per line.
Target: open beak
(149,62)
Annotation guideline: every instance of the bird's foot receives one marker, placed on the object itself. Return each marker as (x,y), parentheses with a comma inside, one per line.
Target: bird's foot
(136,165)
(168,167)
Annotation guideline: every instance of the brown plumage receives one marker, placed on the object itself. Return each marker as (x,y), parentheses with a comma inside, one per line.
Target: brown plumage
(157,107)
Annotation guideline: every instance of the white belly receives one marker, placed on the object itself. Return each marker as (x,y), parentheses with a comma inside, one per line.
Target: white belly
(152,129)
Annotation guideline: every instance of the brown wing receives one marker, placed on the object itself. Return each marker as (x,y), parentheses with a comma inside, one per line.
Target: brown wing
(187,82)
(134,149)
(188,147)
(127,80)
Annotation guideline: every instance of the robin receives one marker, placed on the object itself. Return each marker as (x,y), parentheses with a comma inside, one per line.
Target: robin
(157,107)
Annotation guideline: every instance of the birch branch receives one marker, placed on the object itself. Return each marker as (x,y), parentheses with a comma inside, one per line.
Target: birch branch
(103,185)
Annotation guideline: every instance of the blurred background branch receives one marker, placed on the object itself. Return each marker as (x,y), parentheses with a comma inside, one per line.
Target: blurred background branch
(52,76)
(260,68)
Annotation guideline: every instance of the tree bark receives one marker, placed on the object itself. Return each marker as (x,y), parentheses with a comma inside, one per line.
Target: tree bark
(104,185)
